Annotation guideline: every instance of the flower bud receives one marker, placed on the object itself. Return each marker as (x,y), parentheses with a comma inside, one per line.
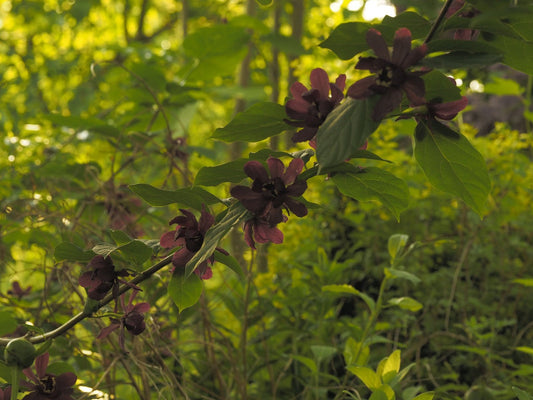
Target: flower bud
(19,353)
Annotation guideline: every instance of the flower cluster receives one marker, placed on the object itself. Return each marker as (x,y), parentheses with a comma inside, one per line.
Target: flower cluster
(45,385)
(269,195)
(392,76)
(458,7)
(189,237)
(309,108)
(132,320)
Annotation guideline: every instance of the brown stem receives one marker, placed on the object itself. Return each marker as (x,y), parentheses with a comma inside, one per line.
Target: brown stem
(438,21)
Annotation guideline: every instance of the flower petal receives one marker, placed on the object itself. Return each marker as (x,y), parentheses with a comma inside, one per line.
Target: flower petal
(141,307)
(415,56)
(256,170)
(41,362)
(305,134)
(297,89)
(361,88)
(378,44)
(107,330)
(167,241)
(248,233)
(264,233)
(388,102)
(182,257)
(415,89)
(293,170)
(340,82)
(66,380)
(276,167)
(206,221)
(297,208)
(401,47)
(320,81)
(297,188)
(449,110)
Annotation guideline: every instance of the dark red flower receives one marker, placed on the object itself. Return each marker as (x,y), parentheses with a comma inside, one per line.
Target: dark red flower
(48,386)
(102,278)
(16,290)
(132,320)
(261,231)
(5,393)
(189,236)
(269,195)
(391,78)
(309,108)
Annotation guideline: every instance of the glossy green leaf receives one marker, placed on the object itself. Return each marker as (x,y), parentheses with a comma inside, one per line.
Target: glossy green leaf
(231,262)
(7,324)
(235,214)
(516,53)
(439,86)
(406,303)
(375,184)
(347,39)
(340,288)
(259,122)
(452,164)
(229,172)
(185,291)
(345,130)
(367,376)
(191,197)
(71,252)
(391,366)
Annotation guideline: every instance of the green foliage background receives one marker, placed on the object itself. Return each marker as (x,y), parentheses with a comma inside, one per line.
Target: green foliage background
(96,95)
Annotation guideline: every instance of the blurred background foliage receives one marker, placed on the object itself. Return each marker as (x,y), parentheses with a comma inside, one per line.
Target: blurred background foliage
(96,95)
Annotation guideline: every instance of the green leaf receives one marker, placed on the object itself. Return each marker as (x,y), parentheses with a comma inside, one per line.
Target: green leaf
(191,197)
(185,291)
(525,349)
(367,376)
(503,87)
(452,164)
(59,367)
(462,59)
(439,86)
(391,367)
(135,251)
(396,244)
(309,363)
(7,324)
(406,303)
(524,281)
(375,184)
(418,25)
(383,393)
(520,394)
(348,289)
(354,354)
(517,53)
(396,273)
(230,262)
(71,252)
(347,39)
(469,46)
(426,396)
(345,130)
(79,123)
(236,213)
(260,121)
(229,172)
(264,2)
(323,352)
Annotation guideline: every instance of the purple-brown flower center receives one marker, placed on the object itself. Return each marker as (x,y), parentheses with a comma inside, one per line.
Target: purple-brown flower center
(384,78)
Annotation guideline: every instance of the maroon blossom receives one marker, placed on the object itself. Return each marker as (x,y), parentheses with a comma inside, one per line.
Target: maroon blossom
(5,393)
(189,236)
(132,320)
(102,278)
(48,386)
(16,290)
(391,75)
(309,108)
(270,194)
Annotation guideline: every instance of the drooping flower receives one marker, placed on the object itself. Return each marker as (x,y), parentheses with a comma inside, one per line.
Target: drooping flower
(5,393)
(48,386)
(132,320)
(16,290)
(189,236)
(392,77)
(102,278)
(309,108)
(270,194)
(123,209)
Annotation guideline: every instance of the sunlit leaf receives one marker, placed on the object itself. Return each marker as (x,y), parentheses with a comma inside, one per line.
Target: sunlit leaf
(406,303)
(7,323)
(185,291)
(229,172)
(367,376)
(260,121)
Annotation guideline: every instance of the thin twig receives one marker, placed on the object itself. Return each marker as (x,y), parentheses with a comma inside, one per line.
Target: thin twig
(438,21)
